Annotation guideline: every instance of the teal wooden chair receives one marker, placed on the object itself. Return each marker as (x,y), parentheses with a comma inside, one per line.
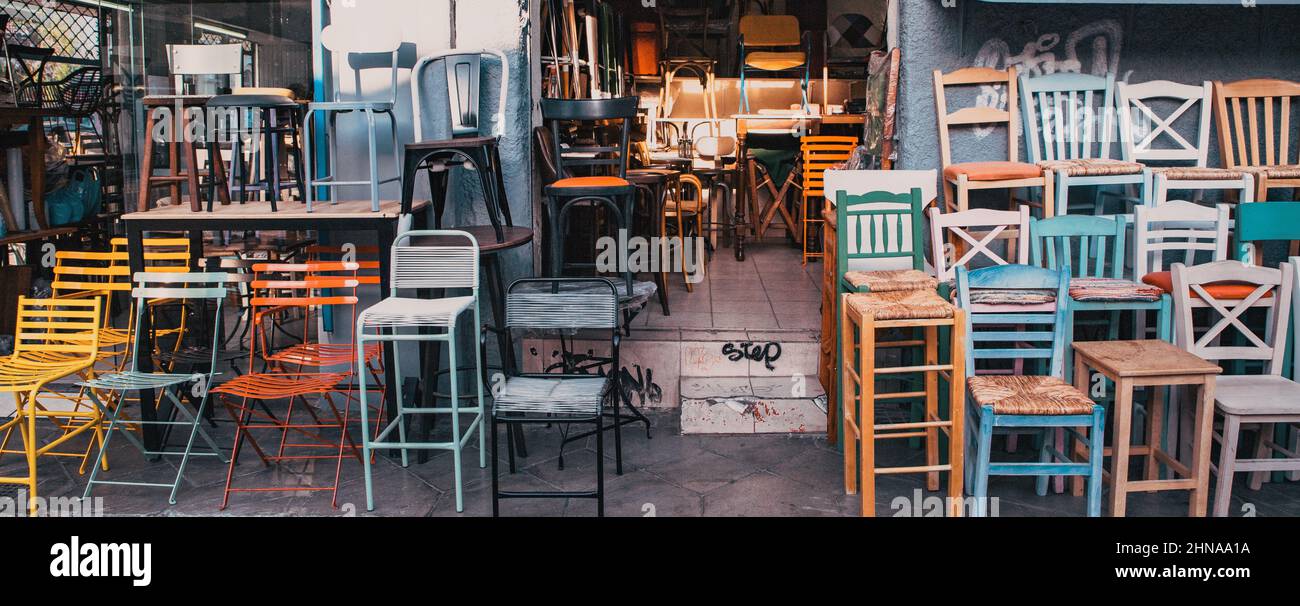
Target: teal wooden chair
(1092,249)
(151,287)
(1070,126)
(1026,402)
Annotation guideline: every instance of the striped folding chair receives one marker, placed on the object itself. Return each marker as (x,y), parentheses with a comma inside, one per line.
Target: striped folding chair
(55,339)
(152,286)
(561,305)
(449,260)
(285,286)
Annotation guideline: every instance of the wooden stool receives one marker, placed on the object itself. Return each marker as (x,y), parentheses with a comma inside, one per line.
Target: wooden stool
(900,308)
(180,144)
(1157,364)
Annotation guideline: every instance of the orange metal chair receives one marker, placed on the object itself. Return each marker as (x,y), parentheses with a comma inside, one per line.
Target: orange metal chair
(281,286)
(819,153)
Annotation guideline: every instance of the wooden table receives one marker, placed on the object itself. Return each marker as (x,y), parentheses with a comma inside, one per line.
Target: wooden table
(349,215)
(1153,363)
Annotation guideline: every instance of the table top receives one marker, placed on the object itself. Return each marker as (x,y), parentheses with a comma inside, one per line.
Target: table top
(345,210)
(40,234)
(1147,358)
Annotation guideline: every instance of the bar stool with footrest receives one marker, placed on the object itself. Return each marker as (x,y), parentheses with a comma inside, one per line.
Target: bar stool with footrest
(190,287)
(452,262)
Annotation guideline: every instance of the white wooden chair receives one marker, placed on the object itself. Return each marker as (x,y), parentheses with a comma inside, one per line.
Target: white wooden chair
(1172,161)
(971,233)
(1175,232)
(1229,289)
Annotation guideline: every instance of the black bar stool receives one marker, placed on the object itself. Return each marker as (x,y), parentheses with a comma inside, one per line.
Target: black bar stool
(265,116)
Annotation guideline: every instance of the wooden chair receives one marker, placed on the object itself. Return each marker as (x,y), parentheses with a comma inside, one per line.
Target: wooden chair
(1019,402)
(1229,289)
(1186,232)
(818,154)
(961,178)
(1062,111)
(783,47)
(958,238)
(1252,138)
(1172,161)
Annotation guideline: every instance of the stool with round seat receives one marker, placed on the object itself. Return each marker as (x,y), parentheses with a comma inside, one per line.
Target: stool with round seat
(265,116)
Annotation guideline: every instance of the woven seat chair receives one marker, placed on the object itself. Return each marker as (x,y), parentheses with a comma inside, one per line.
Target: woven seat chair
(450,262)
(188,286)
(564,305)
(1025,402)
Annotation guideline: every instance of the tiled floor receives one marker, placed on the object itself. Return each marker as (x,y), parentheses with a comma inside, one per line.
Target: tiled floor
(770,288)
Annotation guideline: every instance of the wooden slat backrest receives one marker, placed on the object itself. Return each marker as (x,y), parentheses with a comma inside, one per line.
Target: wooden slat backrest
(1254,122)
(1089,246)
(1180,228)
(1271,288)
(1035,335)
(1068,116)
(1137,106)
(978,229)
(984,77)
(820,153)
(878,225)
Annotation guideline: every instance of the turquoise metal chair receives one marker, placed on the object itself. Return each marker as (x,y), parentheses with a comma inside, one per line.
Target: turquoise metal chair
(150,286)
(450,260)
(1070,126)
(1019,402)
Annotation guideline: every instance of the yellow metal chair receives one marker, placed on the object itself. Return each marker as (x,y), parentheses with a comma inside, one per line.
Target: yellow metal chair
(784,48)
(817,154)
(54,338)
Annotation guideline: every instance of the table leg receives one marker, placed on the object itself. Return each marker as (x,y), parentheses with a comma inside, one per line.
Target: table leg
(36,161)
(12,208)
(143,343)
(1120,447)
(385,232)
(1201,449)
(1155,430)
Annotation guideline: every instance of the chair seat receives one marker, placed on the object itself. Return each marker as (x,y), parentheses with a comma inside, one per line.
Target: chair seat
(1257,395)
(133,380)
(379,106)
(590,182)
(1193,173)
(198,354)
(458,143)
(1112,289)
(689,206)
(1028,395)
(251,100)
(775,61)
(575,396)
(316,355)
(268,385)
(1007,296)
(901,305)
(992,171)
(1290,171)
(405,311)
(24,372)
(891,280)
(1221,290)
(1092,167)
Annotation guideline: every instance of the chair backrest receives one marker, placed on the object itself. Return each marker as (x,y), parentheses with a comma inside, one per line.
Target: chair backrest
(547,164)
(68,327)
(1136,103)
(304,286)
(1068,116)
(78,273)
(361,51)
(975,115)
(562,304)
(1249,286)
(451,261)
(878,225)
(1254,122)
(366,257)
(978,229)
(769,30)
(1261,222)
(463,71)
(162,254)
(1180,229)
(150,286)
(1090,247)
(596,155)
(205,60)
(1036,335)
(820,152)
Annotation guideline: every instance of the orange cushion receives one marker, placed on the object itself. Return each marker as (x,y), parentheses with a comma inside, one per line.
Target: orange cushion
(992,171)
(1221,290)
(592,182)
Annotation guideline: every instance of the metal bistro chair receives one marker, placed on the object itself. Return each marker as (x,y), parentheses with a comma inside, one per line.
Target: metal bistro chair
(560,305)
(439,266)
(1020,402)
(355,49)
(188,286)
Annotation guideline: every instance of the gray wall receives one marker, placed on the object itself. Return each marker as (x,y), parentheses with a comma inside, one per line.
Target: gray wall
(1183,43)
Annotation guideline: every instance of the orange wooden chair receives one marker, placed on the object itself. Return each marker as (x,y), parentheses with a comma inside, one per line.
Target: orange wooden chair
(1254,118)
(818,154)
(304,286)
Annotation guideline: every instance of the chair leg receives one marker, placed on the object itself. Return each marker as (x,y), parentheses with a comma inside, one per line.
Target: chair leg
(1227,465)
(600,466)
(496,502)
(867,416)
(401,405)
(455,415)
(1045,443)
(373,140)
(1096,443)
(1262,451)
(365,422)
(478,384)
(980,486)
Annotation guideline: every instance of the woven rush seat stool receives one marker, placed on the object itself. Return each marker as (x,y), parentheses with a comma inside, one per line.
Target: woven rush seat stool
(891,280)
(864,313)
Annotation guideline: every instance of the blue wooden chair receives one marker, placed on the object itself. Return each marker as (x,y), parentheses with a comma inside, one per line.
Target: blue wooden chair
(1070,127)
(1019,402)
(1092,249)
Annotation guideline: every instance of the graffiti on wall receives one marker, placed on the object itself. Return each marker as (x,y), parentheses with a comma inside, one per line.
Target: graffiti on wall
(1092,49)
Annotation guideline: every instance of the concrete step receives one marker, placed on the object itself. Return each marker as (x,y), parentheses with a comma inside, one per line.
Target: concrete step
(753,405)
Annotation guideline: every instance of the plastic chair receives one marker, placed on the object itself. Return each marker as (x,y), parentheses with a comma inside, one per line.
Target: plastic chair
(440,265)
(784,48)
(56,338)
(189,286)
